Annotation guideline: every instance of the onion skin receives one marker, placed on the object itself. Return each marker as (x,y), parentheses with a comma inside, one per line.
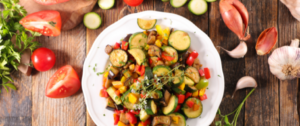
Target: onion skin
(235,16)
(266,41)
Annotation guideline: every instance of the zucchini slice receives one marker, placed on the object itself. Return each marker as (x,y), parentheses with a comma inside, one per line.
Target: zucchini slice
(210,0)
(138,40)
(143,115)
(178,3)
(180,40)
(189,88)
(92,20)
(106,4)
(178,91)
(151,107)
(192,73)
(161,70)
(172,52)
(177,116)
(188,81)
(138,55)
(178,77)
(146,24)
(111,92)
(190,112)
(173,102)
(126,103)
(197,7)
(118,58)
(157,94)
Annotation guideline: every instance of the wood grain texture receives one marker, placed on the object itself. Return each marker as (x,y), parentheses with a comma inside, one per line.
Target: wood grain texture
(69,48)
(262,107)
(233,69)
(287,26)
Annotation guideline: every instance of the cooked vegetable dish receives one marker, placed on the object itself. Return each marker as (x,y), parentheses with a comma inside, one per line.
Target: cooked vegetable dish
(154,78)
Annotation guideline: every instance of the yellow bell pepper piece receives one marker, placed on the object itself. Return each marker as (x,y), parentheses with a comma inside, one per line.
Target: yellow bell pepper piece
(166,33)
(117,84)
(158,37)
(123,79)
(131,124)
(132,98)
(145,32)
(159,30)
(105,74)
(158,43)
(165,42)
(147,47)
(202,92)
(182,86)
(195,94)
(175,119)
(121,124)
(123,89)
(140,124)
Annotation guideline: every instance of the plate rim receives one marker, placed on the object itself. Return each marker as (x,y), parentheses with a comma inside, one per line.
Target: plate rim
(93,49)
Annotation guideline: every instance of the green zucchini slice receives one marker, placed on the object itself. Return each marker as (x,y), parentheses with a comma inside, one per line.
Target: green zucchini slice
(192,73)
(189,88)
(111,92)
(146,24)
(118,58)
(180,40)
(138,40)
(197,7)
(173,102)
(190,112)
(181,119)
(161,70)
(92,20)
(178,3)
(188,81)
(138,55)
(151,107)
(106,4)
(178,77)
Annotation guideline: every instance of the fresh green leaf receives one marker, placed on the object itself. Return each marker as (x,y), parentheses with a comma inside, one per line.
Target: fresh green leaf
(12,86)
(226,120)
(218,123)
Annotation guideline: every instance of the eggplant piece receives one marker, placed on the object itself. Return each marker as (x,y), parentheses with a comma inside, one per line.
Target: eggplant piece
(110,105)
(108,49)
(127,65)
(154,51)
(108,82)
(151,37)
(128,81)
(126,39)
(119,107)
(163,120)
(183,57)
(123,119)
(113,72)
(165,100)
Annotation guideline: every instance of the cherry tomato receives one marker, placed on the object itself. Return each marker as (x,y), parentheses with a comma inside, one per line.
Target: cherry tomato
(194,54)
(50,2)
(43,59)
(131,118)
(201,73)
(190,60)
(207,73)
(65,82)
(117,45)
(203,83)
(133,3)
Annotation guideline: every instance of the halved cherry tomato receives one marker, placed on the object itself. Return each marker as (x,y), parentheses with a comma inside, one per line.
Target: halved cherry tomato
(136,112)
(181,98)
(191,58)
(167,57)
(188,94)
(116,119)
(65,82)
(190,104)
(140,69)
(201,73)
(207,73)
(117,46)
(50,2)
(203,97)
(177,108)
(124,45)
(47,22)
(43,59)
(131,118)
(103,93)
(133,3)
(194,54)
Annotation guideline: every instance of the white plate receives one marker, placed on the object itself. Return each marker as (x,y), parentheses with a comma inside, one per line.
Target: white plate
(208,55)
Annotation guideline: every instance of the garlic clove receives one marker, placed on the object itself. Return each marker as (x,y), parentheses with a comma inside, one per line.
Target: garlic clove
(239,51)
(245,82)
(266,41)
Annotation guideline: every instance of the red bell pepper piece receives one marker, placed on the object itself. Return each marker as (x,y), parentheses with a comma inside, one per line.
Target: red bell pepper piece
(207,73)
(167,57)
(116,119)
(190,60)
(147,122)
(117,46)
(194,54)
(143,96)
(136,112)
(140,69)
(117,92)
(181,98)
(150,61)
(201,72)
(177,108)
(188,94)
(118,112)
(131,118)
(124,110)
(203,97)
(190,104)
(124,45)
(103,93)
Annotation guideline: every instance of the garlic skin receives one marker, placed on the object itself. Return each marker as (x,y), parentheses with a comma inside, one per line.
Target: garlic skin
(239,51)
(293,6)
(245,82)
(284,62)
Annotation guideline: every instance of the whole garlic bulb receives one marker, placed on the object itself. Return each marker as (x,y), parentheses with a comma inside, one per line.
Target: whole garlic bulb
(294,7)
(284,62)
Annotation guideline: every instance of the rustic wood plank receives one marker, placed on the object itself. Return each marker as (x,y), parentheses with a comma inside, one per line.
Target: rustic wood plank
(233,69)
(287,26)
(262,107)
(69,48)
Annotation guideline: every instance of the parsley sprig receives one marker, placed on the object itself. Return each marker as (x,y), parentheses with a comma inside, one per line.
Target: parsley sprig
(12,30)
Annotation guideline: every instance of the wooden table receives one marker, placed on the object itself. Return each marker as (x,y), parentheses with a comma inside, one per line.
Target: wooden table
(273,103)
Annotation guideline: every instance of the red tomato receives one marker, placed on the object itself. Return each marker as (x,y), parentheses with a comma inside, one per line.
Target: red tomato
(146,123)
(201,72)
(177,108)
(190,60)
(207,73)
(43,59)
(47,22)
(103,93)
(116,119)
(204,97)
(194,54)
(131,118)
(133,3)
(65,82)
(50,2)
(117,46)
(167,57)
(181,98)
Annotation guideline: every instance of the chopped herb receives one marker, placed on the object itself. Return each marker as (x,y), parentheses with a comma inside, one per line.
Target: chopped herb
(144,36)
(219,76)
(100,73)
(165,18)
(121,62)
(126,43)
(94,69)
(89,65)
(97,47)
(130,61)
(194,32)
(103,114)
(93,84)
(140,40)
(95,64)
